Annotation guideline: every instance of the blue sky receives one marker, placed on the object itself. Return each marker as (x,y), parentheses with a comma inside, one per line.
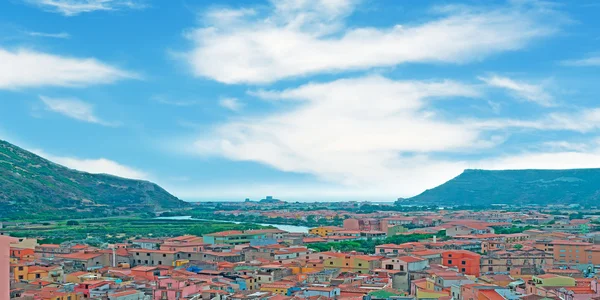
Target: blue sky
(303,100)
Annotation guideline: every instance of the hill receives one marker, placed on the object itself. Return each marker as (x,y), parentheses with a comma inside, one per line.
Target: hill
(32,187)
(483,187)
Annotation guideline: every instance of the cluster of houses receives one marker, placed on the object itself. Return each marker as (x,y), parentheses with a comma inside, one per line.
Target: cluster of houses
(471,261)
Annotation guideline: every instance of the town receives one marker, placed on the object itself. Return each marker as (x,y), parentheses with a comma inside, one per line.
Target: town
(525,253)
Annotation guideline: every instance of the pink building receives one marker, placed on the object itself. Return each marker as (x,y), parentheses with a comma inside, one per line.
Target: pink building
(171,288)
(5,242)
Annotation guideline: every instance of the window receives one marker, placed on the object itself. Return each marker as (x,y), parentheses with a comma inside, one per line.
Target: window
(20,277)
(139,261)
(449,261)
(490,262)
(189,255)
(160,262)
(463,262)
(146,262)
(169,285)
(164,255)
(490,269)
(449,255)
(401,268)
(463,270)
(20,268)
(137,253)
(331,263)
(147,254)
(38,276)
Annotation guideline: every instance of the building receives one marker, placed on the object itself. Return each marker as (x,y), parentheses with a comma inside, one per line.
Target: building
(349,262)
(88,260)
(233,237)
(154,257)
(468,229)
(505,261)
(570,253)
(404,263)
(324,230)
(466,262)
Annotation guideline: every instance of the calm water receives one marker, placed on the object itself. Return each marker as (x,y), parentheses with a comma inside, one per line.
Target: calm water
(288,228)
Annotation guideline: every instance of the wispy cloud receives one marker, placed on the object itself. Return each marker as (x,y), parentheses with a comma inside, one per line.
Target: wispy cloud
(521,90)
(590,61)
(246,47)
(75,109)
(76,7)
(95,166)
(168,101)
(60,35)
(28,68)
(232,104)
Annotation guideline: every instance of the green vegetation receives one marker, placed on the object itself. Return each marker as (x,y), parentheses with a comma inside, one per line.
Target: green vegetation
(368,246)
(33,188)
(111,230)
(518,246)
(511,230)
(577,186)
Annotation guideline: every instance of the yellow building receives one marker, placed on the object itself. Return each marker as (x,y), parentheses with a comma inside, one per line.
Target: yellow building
(276,288)
(552,280)
(429,294)
(347,262)
(324,230)
(25,243)
(30,273)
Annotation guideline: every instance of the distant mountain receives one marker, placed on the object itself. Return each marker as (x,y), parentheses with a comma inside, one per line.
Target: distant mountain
(481,187)
(33,187)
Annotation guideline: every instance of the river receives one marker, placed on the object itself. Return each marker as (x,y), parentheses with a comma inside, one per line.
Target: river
(288,228)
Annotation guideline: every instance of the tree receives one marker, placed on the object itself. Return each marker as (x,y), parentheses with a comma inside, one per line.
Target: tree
(72,223)
(518,246)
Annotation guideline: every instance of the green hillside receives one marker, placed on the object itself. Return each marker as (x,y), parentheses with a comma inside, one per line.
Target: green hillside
(482,187)
(32,187)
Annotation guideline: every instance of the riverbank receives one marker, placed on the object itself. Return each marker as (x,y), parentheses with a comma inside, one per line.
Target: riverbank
(288,228)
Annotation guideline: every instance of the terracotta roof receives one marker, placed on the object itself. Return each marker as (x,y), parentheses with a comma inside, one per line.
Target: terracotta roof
(81,256)
(410,259)
(123,293)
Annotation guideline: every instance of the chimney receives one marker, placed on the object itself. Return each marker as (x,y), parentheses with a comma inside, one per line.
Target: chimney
(435,239)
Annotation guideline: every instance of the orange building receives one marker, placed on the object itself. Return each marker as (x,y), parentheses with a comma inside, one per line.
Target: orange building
(467,262)
(570,252)
(21,253)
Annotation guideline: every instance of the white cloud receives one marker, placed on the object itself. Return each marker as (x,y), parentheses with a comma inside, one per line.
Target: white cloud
(584,120)
(591,61)
(167,100)
(75,109)
(357,132)
(95,166)
(384,136)
(521,90)
(299,37)
(60,35)
(27,68)
(76,7)
(232,104)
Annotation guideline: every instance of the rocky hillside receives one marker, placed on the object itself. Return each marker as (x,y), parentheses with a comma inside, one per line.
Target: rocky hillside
(32,187)
(473,187)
